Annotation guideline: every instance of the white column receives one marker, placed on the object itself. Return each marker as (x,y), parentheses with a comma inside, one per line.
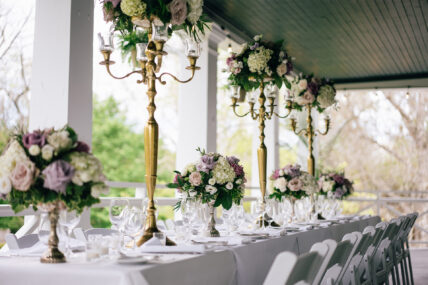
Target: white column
(61,85)
(272,145)
(197,102)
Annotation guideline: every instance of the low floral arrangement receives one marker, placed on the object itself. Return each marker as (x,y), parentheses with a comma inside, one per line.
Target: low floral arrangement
(259,61)
(307,89)
(213,178)
(291,182)
(184,15)
(335,183)
(45,167)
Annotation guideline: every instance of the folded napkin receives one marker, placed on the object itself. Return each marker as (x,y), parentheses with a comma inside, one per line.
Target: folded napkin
(173,249)
(325,225)
(39,248)
(154,241)
(277,232)
(299,227)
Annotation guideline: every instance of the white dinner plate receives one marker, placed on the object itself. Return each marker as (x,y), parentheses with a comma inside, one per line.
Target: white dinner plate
(132,260)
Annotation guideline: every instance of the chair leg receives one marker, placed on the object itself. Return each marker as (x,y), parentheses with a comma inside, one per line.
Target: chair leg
(410,270)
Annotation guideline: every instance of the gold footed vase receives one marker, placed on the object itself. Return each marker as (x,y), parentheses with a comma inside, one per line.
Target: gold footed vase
(53,254)
(211,231)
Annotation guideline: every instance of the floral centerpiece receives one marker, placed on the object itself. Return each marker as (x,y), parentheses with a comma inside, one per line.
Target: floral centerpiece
(291,182)
(126,15)
(259,61)
(50,169)
(215,180)
(337,184)
(309,90)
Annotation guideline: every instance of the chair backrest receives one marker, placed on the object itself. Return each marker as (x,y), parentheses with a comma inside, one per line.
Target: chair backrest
(161,225)
(339,259)
(281,268)
(412,219)
(100,231)
(23,242)
(79,234)
(325,249)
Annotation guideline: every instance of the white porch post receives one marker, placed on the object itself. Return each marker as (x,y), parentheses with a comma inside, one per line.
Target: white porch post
(272,145)
(61,87)
(197,102)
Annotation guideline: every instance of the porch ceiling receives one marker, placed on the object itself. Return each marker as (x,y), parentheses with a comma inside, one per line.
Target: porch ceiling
(351,42)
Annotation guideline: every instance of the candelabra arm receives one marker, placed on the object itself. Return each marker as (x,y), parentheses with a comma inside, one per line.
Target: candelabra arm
(175,77)
(327,128)
(285,116)
(126,75)
(305,133)
(236,113)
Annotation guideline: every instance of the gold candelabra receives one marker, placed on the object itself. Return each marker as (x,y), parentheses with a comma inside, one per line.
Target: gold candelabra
(149,56)
(309,133)
(261,115)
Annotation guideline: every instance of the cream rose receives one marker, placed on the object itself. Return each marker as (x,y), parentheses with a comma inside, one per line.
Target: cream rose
(211,189)
(211,181)
(305,99)
(281,69)
(5,185)
(195,178)
(303,84)
(280,184)
(34,150)
(47,152)
(229,186)
(59,140)
(23,175)
(295,184)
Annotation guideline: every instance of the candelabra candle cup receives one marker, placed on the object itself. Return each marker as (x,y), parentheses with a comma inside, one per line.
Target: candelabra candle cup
(236,90)
(193,49)
(141,51)
(106,42)
(271,91)
(160,33)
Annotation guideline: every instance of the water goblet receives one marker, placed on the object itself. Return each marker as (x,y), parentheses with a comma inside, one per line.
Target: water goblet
(69,220)
(118,208)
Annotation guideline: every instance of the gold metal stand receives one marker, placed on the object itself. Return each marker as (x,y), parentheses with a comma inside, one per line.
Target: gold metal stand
(53,254)
(309,132)
(149,68)
(262,115)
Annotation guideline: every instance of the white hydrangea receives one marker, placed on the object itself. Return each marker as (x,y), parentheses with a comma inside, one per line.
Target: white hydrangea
(5,184)
(133,7)
(59,140)
(327,185)
(98,189)
(258,59)
(195,10)
(14,154)
(326,96)
(310,185)
(188,169)
(87,168)
(280,184)
(223,172)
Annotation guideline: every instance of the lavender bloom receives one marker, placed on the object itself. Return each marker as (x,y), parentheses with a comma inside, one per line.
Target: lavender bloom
(313,87)
(232,160)
(57,175)
(292,170)
(289,67)
(207,163)
(339,179)
(34,138)
(253,47)
(114,2)
(339,193)
(239,170)
(275,175)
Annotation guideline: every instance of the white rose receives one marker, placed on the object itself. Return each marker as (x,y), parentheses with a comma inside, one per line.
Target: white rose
(238,181)
(303,84)
(280,184)
(281,172)
(34,150)
(258,37)
(98,189)
(305,99)
(211,181)
(59,140)
(5,185)
(229,186)
(192,193)
(47,152)
(281,69)
(210,189)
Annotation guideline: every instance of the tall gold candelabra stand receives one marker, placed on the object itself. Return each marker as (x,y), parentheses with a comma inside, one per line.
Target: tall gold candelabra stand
(310,133)
(261,115)
(150,60)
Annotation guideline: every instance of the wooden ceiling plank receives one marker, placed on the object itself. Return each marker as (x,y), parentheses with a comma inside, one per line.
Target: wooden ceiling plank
(380,40)
(392,23)
(422,25)
(417,33)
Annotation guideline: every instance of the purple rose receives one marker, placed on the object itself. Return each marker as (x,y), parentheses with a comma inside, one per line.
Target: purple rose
(230,59)
(289,67)
(82,147)
(313,87)
(57,175)
(292,170)
(239,170)
(253,47)
(114,2)
(339,193)
(232,160)
(206,164)
(339,179)
(178,9)
(34,138)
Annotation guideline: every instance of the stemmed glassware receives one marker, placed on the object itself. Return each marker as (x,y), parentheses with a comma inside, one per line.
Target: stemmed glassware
(133,222)
(117,213)
(68,220)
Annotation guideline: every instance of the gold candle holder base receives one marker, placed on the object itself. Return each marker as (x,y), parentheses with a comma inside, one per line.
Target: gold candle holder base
(149,235)
(53,255)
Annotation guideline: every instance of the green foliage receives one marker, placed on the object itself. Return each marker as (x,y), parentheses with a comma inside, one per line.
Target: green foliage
(277,194)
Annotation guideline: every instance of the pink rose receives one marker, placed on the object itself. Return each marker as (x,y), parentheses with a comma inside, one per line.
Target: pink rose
(195,178)
(23,175)
(306,98)
(295,184)
(178,9)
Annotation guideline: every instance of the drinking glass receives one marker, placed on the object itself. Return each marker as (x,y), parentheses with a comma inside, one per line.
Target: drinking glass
(43,230)
(117,212)
(133,224)
(69,220)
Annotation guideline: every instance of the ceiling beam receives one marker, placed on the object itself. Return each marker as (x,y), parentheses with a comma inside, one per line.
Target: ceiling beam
(391,82)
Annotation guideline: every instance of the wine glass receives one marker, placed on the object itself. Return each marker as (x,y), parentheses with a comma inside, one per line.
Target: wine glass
(117,212)
(69,220)
(43,230)
(133,223)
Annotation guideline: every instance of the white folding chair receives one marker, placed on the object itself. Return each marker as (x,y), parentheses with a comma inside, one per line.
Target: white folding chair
(340,257)
(23,242)
(398,252)
(288,268)
(403,240)
(331,245)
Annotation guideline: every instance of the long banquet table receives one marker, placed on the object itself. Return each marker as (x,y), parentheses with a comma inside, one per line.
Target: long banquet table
(243,264)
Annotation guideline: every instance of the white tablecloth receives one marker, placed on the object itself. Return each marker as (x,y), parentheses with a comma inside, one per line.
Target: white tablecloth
(246,264)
